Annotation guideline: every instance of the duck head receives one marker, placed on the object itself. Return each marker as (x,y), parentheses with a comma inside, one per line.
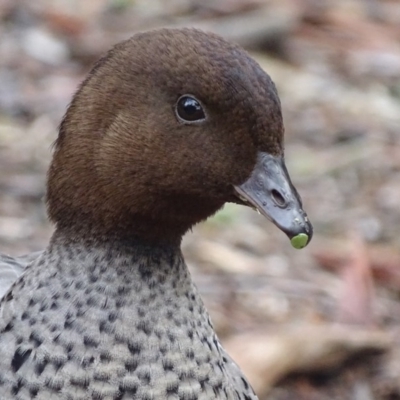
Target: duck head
(168,127)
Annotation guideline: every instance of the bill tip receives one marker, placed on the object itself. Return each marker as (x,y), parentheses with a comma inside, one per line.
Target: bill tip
(299,241)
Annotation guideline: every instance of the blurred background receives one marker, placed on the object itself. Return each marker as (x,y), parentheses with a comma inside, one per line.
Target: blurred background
(320,323)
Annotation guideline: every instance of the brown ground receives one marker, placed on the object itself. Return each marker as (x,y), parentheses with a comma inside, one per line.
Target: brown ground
(321,323)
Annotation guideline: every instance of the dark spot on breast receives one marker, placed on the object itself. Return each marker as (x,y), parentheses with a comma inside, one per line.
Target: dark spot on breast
(68,324)
(131,365)
(58,362)
(91,301)
(65,284)
(168,365)
(80,381)
(56,338)
(129,388)
(216,344)
(9,296)
(102,376)
(89,341)
(203,381)
(177,322)
(144,376)
(217,388)
(79,285)
(190,354)
(171,337)
(122,290)
(68,347)
(33,391)
(105,326)
(20,356)
(141,312)
(145,272)
(8,327)
(40,366)
(100,288)
(32,302)
(220,366)
(159,333)
(172,388)
(134,347)
(120,303)
(105,357)
(163,349)
(86,361)
(17,387)
(144,326)
(112,316)
(80,312)
(88,290)
(35,338)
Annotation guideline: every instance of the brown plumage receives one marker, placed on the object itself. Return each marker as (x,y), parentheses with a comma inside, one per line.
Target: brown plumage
(175,175)
(109,311)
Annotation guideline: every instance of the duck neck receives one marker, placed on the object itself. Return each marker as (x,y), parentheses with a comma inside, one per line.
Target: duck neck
(146,283)
(127,243)
(131,237)
(123,260)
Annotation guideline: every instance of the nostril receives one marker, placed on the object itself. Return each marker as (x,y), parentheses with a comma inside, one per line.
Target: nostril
(278,198)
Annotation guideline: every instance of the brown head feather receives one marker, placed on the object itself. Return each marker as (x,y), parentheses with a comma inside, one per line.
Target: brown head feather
(125,165)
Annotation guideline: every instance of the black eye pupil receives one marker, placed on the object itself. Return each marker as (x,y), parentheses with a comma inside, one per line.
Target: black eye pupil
(191,106)
(189,109)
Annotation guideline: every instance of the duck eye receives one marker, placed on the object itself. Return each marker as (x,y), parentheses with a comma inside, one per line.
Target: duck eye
(188,109)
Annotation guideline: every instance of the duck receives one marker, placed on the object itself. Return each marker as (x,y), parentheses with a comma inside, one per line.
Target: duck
(167,127)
